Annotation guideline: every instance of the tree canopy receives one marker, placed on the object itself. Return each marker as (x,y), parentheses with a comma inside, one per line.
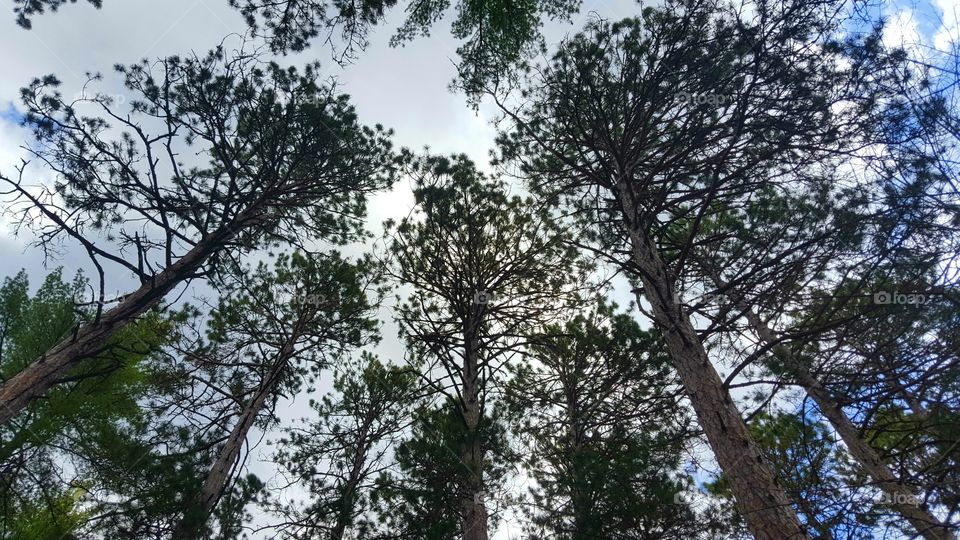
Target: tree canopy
(705,287)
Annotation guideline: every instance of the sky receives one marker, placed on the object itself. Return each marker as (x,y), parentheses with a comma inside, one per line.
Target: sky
(402,88)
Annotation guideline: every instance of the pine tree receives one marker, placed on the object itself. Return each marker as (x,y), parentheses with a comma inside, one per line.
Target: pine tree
(816,473)
(272,331)
(599,406)
(638,126)
(341,454)
(53,457)
(288,162)
(486,271)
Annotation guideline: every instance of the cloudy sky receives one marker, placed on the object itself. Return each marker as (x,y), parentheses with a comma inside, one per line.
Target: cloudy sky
(402,88)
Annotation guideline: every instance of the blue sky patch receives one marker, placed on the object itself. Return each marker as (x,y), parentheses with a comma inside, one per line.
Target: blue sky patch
(11,114)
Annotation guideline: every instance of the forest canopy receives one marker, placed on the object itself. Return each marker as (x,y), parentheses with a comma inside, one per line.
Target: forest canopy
(699,279)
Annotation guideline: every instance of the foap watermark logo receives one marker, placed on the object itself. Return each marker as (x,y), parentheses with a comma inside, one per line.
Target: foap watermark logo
(702,99)
(713,299)
(901,499)
(483,298)
(914,294)
(885,298)
(314,299)
(112,99)
(88,297)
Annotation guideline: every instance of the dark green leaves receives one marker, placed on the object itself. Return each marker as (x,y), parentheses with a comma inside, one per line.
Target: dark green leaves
(26,9)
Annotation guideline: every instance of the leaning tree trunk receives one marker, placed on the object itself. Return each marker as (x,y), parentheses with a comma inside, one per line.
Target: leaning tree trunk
(216,481)
(91,339)
(473,506)
(902,497)
(348,497)
(761,502)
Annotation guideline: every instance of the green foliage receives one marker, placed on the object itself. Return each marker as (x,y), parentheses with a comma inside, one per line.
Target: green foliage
(487,270)
(478,258)
(320,305)
(597,406)
(275,329)
(54,519)
(816,473)
(286,157)
(339,455)
(83,426)
(291,24)
(420,499)
(232,512)
(494,36)
(746,186)
(26,9)
(612,126)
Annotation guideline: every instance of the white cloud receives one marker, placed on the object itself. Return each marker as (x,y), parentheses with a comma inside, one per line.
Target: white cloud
(901,30)
(949,13)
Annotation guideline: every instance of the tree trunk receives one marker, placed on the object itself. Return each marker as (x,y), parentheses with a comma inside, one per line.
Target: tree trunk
(44,372)
(902,497)
(473,507)
(762,503)
(345,510)
(216,480)
(348,498)
(339,528)
(579,502)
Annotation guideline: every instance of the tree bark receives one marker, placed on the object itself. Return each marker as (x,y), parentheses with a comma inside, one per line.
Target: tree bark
(348,498)
(761,502)
(578,500)
(473,506)
(44,372)
(216,480)
(903,497)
